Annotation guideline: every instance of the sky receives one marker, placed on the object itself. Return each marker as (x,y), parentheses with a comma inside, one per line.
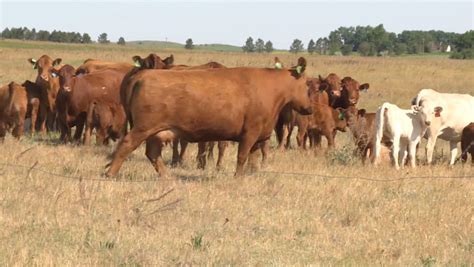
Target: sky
(232,22)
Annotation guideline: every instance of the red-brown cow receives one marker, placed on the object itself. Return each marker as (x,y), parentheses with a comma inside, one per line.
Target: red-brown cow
(13,102)
(34,96)
(78,92)
(467,142)
(94,65)
(107,118)
(236,104)
(49,85)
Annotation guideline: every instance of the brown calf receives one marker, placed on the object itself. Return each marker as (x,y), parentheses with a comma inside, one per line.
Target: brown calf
(107,118)
(467,142)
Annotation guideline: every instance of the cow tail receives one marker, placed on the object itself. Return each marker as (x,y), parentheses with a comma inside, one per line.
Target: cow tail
(379,125)
(11,97)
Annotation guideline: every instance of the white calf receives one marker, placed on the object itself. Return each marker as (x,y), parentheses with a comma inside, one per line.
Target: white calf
(404,127)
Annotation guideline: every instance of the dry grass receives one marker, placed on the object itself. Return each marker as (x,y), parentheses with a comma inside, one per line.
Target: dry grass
(210,217)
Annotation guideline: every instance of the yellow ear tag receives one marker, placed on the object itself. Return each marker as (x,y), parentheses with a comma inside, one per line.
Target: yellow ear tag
(137,64)
(298,69)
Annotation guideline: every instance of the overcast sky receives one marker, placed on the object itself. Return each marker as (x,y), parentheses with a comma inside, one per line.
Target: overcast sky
(231,22)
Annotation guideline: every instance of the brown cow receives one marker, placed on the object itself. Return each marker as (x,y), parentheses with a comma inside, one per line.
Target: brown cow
(153,61)
(94,65)
(78,92)
(342,93)
(13,105)
(236,104)
(49,85)
(467,142)
(362,126)
(107,118)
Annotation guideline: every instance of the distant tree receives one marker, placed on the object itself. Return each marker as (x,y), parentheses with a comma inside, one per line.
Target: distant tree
(42,35)
(6,33)
(103,38)
(249,47)
(346,49)
(322,45)
(364,48)
(464,46)
(311,46)
(335,42)
(86,38)
(189,44)
(268,47)
(259,45)
(296,46)
(400,49)
(121,41)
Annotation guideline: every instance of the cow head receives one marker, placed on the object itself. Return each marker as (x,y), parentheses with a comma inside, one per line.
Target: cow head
(65,74)
(332,85)
(46,79)
(301,94)
(44,65)
(428,111)
(152,61)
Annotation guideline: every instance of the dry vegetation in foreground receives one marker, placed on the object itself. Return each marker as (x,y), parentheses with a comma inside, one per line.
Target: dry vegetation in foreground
(208,217)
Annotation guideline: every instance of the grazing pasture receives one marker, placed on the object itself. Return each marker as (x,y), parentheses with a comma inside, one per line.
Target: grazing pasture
(301,208)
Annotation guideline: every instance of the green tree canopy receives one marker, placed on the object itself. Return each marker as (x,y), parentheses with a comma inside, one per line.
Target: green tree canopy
(296,46)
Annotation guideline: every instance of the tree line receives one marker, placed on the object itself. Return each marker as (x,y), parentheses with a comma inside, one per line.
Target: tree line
(376,41)
(23,33)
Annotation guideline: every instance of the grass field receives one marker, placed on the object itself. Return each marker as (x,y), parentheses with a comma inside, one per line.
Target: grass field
(274,217)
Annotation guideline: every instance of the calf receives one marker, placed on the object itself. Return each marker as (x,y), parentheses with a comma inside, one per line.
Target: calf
(403,127)
(13,102)
(107,118)
(467,142)
(362,127)
(34,108)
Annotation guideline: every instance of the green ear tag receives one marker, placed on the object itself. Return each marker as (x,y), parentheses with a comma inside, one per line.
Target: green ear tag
(137,64)
(298,69)
(278,66)
(341,116)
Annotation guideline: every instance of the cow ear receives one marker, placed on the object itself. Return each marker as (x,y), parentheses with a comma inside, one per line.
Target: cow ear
(320,78)
(136,61)
(33,62)
(437,111)
(169,60)
(364,87)
(57,62)
(415,108)
(300,68)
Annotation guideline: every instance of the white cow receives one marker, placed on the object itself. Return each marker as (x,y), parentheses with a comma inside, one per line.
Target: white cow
(446,115)
(404,127)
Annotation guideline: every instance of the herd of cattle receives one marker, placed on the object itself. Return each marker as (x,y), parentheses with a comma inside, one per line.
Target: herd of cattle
(157,102)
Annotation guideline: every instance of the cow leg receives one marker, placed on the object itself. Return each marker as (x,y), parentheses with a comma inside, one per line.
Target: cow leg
(453,145)
(402,153)
(101,137)
(175,157)
(265,148)
(79,127)
(19,124)
(288,138)
(430,147)
(412,153)
(184,145)
(126,146)
(245,145)
(395,151)
(201,156)
(34,115)
(284,136)
(153,149)
(300,137)
(221,145)
(253,157)
(210,150)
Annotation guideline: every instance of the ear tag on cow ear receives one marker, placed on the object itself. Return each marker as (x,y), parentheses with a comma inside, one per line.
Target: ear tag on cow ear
(137,64)
(278,66)
(365,90)
(298,69)
(341,116)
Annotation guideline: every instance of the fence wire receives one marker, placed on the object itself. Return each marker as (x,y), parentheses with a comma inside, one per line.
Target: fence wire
(34,168)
